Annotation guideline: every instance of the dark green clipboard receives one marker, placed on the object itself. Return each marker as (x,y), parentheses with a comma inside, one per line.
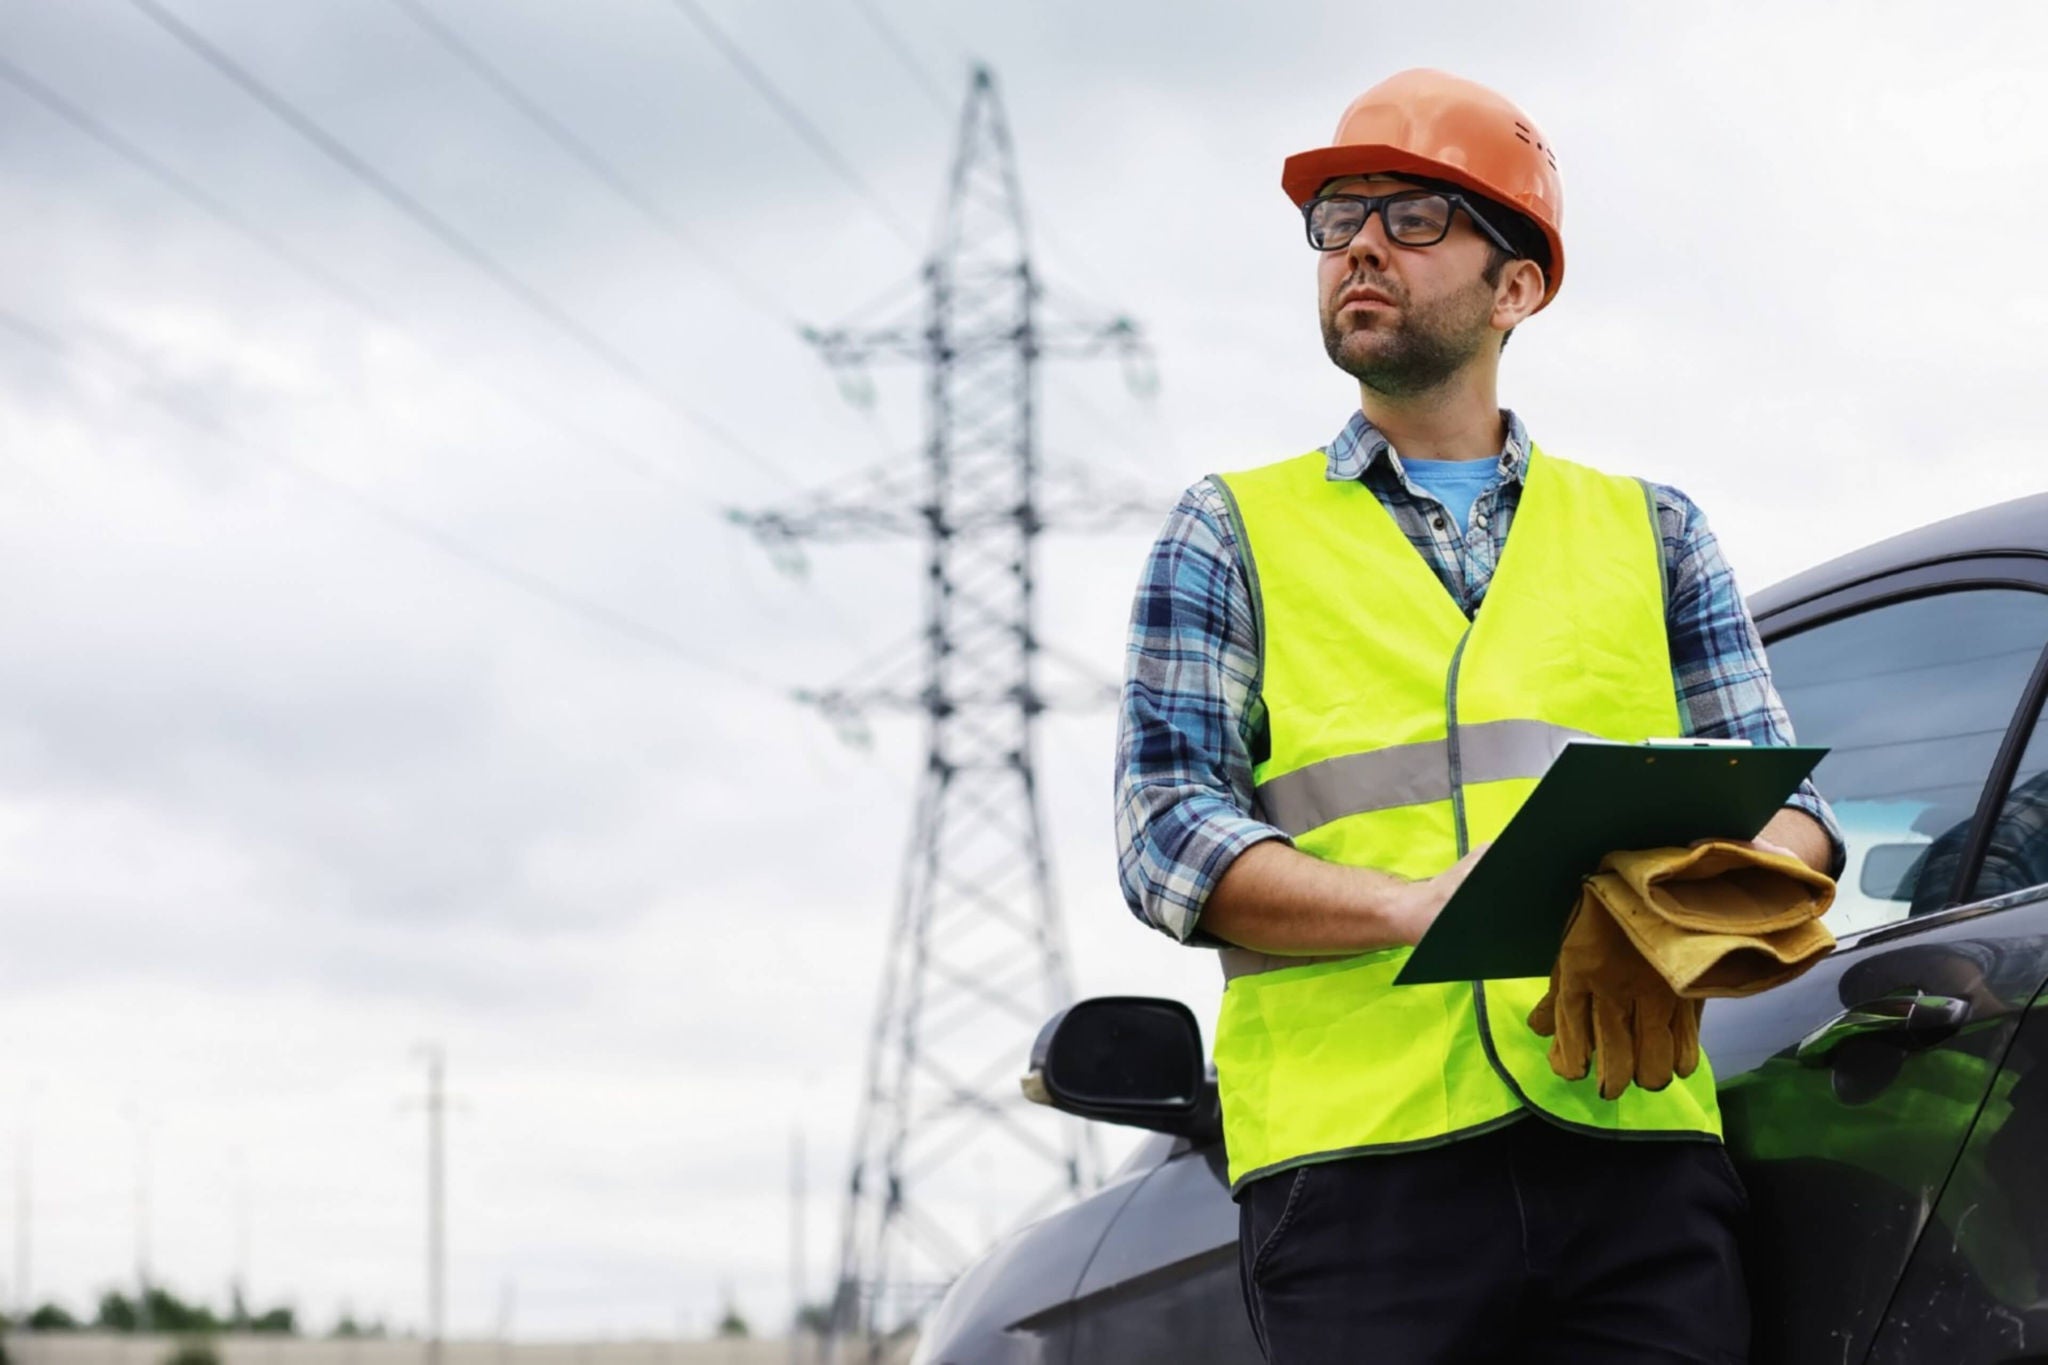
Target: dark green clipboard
(1508,917)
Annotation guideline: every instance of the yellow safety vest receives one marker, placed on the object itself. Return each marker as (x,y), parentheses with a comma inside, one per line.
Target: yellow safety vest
(1403,733)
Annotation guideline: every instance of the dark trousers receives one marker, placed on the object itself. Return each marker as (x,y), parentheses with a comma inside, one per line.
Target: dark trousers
(1527,1244)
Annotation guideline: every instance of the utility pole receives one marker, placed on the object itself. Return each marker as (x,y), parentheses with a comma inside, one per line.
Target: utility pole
(24,1216)
(508,1300)
(797,1250)
(437,1245)
(977,958)
(239,1295)
(143,1317)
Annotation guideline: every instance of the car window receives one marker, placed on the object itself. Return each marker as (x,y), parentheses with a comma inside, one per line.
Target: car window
(2016,855)
(1913,699)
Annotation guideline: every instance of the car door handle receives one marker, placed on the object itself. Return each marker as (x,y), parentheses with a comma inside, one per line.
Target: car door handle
(1908,1019)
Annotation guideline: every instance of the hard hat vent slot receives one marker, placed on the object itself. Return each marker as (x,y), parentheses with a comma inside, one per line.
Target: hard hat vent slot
(1528,135)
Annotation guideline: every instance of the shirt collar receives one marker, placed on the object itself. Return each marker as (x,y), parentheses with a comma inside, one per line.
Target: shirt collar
(1360,445)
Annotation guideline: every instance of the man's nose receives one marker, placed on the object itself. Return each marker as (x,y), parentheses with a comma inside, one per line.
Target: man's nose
(1370,247)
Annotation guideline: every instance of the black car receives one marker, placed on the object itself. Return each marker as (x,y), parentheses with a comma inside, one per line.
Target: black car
(1888,1110)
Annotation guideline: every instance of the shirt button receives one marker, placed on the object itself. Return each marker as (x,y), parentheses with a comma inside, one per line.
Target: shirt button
(1480,521)
(1437,522)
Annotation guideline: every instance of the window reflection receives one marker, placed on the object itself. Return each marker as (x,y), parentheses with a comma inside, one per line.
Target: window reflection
(2017,855)
(1913,699)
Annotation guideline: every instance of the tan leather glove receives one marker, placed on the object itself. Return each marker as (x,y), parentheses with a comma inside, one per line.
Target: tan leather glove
(1722,919)
(1607,1002)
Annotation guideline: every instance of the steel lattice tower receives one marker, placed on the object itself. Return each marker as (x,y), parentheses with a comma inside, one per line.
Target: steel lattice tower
(977,958)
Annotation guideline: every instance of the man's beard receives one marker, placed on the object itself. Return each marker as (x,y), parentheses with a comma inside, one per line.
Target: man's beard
(1426,347)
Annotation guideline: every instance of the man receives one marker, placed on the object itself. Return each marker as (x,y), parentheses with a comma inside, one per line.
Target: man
(1322,728)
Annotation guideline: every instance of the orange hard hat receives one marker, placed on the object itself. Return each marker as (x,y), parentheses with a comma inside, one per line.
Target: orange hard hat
(1442,127)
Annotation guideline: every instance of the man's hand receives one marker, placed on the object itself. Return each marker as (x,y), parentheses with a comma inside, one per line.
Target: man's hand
(1276,899)
(1760,844)
(1792,834)
(1418,904)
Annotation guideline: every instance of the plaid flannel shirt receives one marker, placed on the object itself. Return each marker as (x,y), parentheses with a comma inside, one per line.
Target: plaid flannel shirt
(1190,719)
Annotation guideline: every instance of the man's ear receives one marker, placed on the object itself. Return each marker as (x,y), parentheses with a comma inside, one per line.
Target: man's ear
(1519,293)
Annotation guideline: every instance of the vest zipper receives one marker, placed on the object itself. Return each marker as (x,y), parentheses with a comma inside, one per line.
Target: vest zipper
(1451,744)
(1464,838)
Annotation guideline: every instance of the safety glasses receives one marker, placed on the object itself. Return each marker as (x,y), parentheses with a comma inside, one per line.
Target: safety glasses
(1411,218)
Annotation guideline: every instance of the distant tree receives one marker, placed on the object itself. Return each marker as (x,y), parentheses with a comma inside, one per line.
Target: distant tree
(169,1313)
(193,1350)
(814,1318)
(347,1328)
(116,1313)
(281,1321)
(732,1323)
(52,1317)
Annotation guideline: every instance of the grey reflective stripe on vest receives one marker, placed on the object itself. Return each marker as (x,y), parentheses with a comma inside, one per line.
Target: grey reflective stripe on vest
(1246,962)
(1408,774)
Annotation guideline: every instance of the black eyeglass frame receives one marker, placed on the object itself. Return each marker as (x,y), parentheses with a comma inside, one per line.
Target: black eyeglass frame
(1377,203)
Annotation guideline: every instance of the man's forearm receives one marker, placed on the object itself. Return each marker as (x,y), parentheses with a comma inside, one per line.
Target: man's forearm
(1277,899)
(1803,836)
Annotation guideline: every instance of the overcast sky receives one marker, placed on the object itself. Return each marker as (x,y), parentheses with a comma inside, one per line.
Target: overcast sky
(291,781)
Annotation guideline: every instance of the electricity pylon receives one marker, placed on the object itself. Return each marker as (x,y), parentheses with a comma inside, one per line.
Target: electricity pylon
(977,958)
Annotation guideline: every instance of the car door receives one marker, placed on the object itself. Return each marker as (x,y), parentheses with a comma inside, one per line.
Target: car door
(1976,1289)
(1849,1094)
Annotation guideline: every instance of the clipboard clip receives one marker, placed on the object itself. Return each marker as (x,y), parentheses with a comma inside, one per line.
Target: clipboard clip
(1697,743)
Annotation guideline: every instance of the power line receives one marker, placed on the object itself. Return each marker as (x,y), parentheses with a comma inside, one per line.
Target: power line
(745,286)
(935,16)
(592,160)
(393,518)
(344,292)
(332,284)
(99,132)
(893,40)
(793,116)
(1122,438)
(536,302)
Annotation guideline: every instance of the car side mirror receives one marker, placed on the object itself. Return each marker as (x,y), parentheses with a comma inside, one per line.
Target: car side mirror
(1127,1059)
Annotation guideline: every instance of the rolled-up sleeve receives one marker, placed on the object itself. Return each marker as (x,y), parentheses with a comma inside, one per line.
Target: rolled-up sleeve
(1188,717)
(1717,658)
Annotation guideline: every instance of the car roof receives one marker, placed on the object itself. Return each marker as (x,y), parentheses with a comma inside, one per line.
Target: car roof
(2017,527)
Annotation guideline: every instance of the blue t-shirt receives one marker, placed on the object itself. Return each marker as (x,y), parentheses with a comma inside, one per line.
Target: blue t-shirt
(1456,484)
